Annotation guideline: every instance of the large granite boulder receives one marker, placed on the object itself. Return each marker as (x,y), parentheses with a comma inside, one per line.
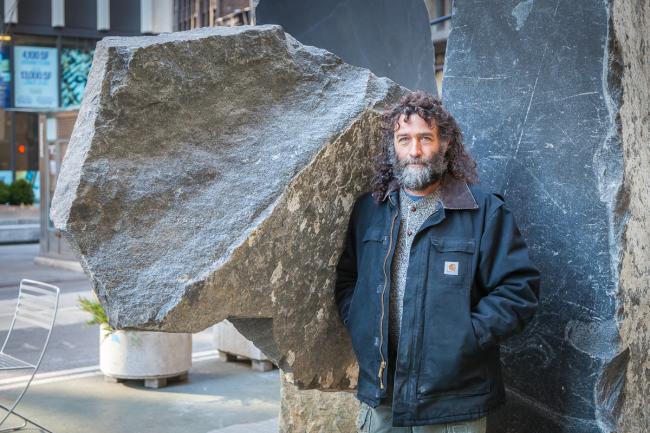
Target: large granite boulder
(210,175)
(553,97)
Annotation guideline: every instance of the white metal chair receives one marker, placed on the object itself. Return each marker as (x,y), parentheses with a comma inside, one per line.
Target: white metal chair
(36,307)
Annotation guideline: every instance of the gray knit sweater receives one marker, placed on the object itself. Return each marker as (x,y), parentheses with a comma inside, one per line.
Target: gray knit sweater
(414,213)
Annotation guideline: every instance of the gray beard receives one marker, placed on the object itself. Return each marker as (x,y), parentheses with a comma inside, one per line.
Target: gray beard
(418,178)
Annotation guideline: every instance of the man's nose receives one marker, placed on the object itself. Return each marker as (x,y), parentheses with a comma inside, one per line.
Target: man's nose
(415,148)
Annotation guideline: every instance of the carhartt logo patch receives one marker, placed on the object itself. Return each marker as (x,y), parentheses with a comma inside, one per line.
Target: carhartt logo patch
(451,268)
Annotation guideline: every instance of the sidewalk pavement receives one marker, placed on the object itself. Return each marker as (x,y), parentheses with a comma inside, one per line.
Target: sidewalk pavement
(218,397)
(69,395)
(17,262)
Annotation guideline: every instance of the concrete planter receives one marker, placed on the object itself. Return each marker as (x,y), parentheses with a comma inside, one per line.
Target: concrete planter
(231,343)
(152,356)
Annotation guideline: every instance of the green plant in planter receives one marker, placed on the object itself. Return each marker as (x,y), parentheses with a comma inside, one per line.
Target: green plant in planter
(93,307)
(21,192)
(5,193)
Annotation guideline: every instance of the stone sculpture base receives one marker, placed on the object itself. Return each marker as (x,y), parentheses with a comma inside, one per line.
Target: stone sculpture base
(315,411)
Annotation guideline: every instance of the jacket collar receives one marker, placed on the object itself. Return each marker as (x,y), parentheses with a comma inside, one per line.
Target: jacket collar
(455,194)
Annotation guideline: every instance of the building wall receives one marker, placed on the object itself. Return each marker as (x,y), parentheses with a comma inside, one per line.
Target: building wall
(35,18)
(192,14)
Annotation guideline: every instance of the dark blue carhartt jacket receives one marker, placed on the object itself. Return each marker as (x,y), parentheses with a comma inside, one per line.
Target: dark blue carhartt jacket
(470,284)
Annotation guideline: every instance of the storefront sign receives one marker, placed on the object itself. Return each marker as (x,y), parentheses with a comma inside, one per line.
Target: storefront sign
(36,75)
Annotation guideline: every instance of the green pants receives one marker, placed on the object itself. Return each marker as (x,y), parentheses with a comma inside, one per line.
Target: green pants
(380,420)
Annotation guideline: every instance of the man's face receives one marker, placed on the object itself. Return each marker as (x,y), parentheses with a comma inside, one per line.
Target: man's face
(420,153)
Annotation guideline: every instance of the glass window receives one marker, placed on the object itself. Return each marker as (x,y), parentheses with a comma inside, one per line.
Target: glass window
(5,147)
(75,67)
(26,141)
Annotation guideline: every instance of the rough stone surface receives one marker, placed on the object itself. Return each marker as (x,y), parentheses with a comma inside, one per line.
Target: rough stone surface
(315,411)
(210,175)
(631,28)
(553,99)
(391,38)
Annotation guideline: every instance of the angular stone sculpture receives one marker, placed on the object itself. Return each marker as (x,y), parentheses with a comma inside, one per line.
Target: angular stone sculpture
(210,175)
(553,97)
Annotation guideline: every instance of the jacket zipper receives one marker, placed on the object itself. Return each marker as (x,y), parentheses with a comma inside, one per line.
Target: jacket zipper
(382,365)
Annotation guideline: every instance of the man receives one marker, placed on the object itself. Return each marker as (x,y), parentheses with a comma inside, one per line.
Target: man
(433,276)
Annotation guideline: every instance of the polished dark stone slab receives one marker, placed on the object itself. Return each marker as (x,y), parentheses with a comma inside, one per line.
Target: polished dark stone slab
(528,83)
(391,38)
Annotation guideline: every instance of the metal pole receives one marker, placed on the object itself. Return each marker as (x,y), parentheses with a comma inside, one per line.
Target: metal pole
(60,68)
(12,116)
(12,140)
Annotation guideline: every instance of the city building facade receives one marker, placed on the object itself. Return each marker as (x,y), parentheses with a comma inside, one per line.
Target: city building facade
(192,14)
(46,50)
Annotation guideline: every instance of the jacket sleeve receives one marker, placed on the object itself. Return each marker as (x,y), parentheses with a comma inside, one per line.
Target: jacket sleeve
(346,271)
(509,279)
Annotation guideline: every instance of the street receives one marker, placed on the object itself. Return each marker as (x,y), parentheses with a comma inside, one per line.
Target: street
(73,344)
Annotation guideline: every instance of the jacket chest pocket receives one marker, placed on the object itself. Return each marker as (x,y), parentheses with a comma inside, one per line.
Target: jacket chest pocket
(374,246)
(450,261)
(374,237)
(369,279)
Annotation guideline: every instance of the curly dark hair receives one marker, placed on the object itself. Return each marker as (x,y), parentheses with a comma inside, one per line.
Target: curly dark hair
(460,164)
